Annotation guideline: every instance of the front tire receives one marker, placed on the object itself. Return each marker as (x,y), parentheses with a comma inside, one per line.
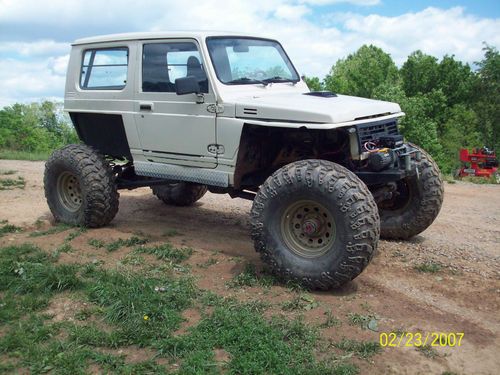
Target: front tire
(417,203)
(316,223)
(80,187)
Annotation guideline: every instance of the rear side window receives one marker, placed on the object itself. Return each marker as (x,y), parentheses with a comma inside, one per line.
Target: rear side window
(104,69)
(163,63)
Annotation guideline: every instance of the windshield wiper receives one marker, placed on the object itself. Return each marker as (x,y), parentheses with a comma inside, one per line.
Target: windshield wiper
(278,79)
(246,80)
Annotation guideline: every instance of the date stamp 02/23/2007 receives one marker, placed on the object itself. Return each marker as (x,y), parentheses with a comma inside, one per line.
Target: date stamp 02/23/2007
(419,339)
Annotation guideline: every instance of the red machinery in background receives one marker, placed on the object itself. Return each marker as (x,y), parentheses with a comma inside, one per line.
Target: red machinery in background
(479,163)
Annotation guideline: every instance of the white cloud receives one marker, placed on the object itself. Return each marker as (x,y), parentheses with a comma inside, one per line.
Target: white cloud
(353,2)
(291,12)
(435,31)
(35,36)
(35,48)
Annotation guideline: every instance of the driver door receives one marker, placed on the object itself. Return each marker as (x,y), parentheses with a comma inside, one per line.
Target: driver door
(174,129)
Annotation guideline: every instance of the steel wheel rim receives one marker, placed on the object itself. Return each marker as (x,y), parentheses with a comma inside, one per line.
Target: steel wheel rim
(308,228)
(69,192)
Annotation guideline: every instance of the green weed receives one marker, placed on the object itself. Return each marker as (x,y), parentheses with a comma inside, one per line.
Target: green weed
(363,349)
(331,320)
(58,228)
(364,321)
(76,233)
(248,277)
(166,251)
(8,172)
(11,183)
(428,267)
(94,242)
(300,302)
(427,351)
(129,242)
(9,228)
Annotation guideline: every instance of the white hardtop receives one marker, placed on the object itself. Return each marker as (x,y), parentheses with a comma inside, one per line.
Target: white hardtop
(197,34)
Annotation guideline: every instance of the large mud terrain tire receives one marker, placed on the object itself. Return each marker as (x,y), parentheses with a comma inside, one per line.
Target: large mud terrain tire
(416,205)
(180,194)
(80,187)
(316,223)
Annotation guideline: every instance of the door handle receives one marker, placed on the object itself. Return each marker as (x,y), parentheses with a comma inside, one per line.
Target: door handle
(145,106)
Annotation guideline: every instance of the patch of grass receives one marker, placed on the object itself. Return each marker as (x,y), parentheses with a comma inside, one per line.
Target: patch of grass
(8,172)
(133,308)
(58,228)
(29,278)
(362,349)
(76,233)
(248,277)
(94,242)
(23,155)
(9,228)
(331,320)
(428,267)
(300,302)
(255,345)
(64,248)
(166,251)
(364,321)
(129,242)
(427,351)
(133,259)
(87,312)
(126,299)
(11,183)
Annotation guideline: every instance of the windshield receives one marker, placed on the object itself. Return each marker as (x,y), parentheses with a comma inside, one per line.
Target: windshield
(240,61)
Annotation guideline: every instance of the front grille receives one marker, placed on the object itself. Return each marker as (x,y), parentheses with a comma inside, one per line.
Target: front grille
(375,130)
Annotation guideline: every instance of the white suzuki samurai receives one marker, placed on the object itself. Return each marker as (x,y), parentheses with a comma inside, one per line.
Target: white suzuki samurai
(187,112)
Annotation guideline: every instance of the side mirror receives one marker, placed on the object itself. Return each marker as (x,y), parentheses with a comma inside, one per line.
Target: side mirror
(187,85)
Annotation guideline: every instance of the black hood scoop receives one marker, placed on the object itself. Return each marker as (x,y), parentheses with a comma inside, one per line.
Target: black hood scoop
(322,94)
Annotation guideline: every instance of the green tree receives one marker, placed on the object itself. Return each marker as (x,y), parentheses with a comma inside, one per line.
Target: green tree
(487,97)
(314,83)
(362,72)
(34,128)
(418,126)
(419,74)
(459,131)
(455,80)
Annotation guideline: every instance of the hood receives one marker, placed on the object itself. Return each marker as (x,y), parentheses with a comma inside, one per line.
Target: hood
(299,107)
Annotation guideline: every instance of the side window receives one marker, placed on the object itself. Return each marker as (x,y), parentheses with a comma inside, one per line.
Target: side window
(163,63)
(104,69)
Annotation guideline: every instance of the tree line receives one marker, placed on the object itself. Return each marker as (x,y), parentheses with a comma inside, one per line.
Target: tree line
(35,128)
(448,104)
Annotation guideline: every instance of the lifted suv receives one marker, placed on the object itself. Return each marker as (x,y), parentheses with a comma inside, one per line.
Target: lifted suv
(189,112)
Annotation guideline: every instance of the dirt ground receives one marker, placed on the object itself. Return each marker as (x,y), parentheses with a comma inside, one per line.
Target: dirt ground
(462,296)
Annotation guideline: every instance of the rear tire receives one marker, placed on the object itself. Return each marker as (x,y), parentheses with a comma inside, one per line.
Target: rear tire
(418,204)
(316,223)
(180,194)
(80,187)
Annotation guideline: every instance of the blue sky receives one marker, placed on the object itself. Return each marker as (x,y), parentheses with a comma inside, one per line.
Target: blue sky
(481,8)
(35,36)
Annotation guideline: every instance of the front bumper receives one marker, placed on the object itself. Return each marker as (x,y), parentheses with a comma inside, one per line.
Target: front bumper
(405,161)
